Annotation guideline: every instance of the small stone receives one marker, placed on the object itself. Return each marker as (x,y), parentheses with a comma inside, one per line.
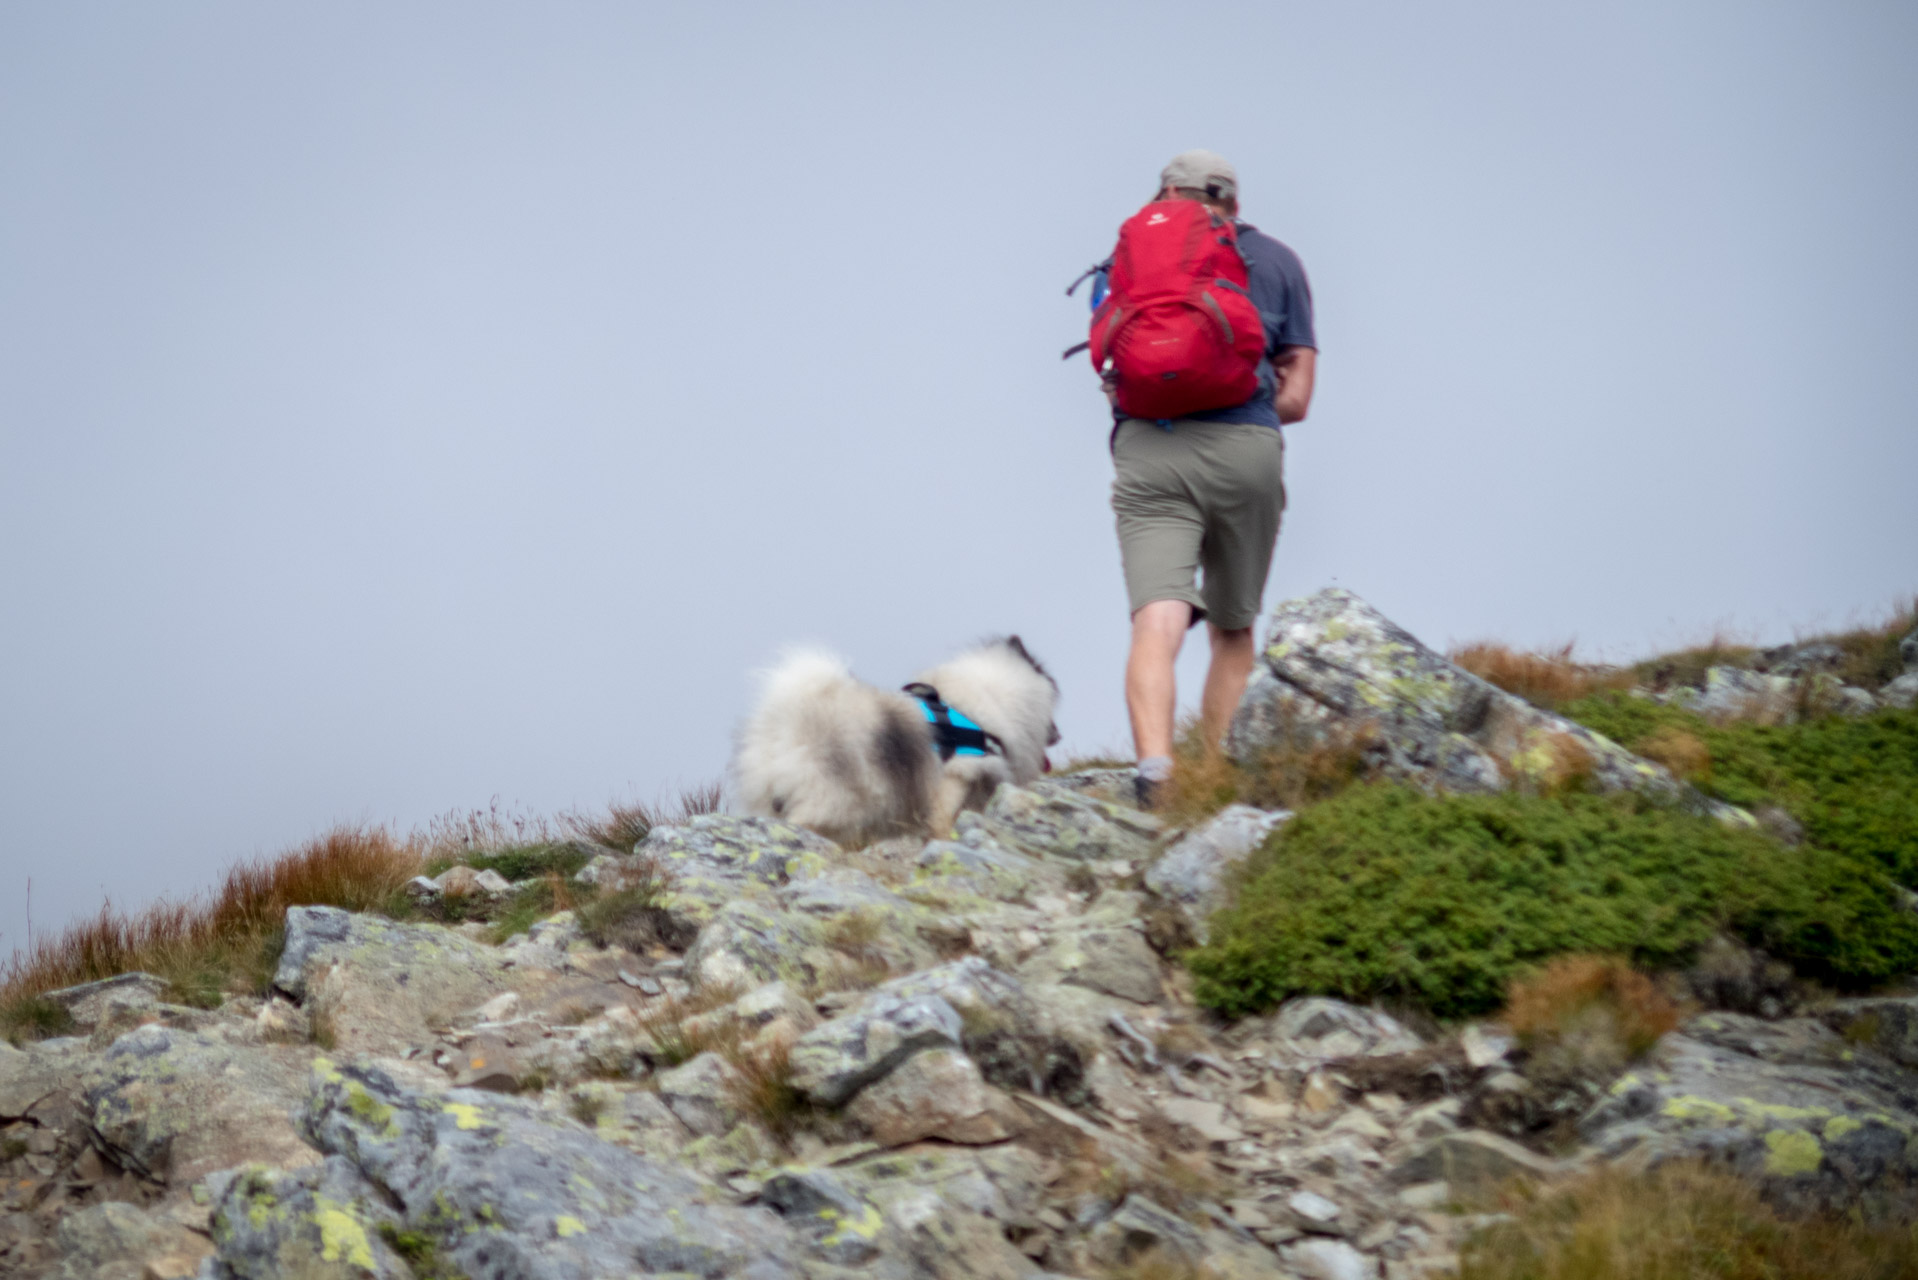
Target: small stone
(499,1008)
(1361,1124)
(700,1093)
(1508,1082)
(486,1062)
(1329,1260)
(1472,1158)
(1204,1117)
(935,1094)
(1263,1111)
(422,889)
(1248,1214)
(459,881)
(1422,1197)
(492,883)
(1484,1045)
(1431,1120)
(1387,1106)
(1314,1212)
(642,983)
(1320,1095)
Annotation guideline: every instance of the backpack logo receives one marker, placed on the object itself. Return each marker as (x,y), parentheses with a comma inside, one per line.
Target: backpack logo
(1156,219)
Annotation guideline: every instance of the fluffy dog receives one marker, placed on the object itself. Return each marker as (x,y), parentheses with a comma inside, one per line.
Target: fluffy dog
(856,764)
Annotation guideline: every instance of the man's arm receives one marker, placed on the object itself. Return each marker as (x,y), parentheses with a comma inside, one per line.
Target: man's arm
(1296,367)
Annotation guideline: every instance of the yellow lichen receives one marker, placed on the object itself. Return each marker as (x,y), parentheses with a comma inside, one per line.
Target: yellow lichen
(567,1225)
(467,1115)
(1791,1152)
(1691,1107)
(864,1225)
(341,1235)
(1838,1126)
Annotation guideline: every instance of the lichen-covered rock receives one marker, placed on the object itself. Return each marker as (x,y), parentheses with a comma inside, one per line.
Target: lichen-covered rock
(1472,1159)
(930,1009)
(1105,950)
(88,1003)
(712,859)
(1332,661)
(935,1094)
(980,866)
(701,1093)
(318,1223)
(1323,1029)
(838,1058)
(1819,1121)
(174,1105)
(1048,821)
(1901,693)
(375,985)
(118,1241)
(1886,1024)
(507,1194)
(1191,874)
(839,1225)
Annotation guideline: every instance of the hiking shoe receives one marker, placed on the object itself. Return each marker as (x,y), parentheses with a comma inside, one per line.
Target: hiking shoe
(1146,793)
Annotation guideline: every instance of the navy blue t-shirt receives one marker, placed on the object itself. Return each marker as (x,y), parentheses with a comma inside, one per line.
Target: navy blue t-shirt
(1284,299)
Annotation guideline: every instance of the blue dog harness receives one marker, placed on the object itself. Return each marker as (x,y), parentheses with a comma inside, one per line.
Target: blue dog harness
(954,733)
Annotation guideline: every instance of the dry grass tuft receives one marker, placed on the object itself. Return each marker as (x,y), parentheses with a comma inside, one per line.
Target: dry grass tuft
(1156,1263)
(1549,679)
(1308,765)
(763,1088)
(1678,1222)
(1585,1016)
(1683,753)
(1688,666)
(625,824)
(208,946)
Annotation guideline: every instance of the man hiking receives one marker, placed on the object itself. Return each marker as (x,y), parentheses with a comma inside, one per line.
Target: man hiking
(1198,402)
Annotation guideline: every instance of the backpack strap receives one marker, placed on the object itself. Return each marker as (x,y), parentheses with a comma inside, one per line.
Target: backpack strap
(953,732)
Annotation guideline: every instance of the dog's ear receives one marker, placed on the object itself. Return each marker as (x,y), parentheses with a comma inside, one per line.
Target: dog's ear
(1018,646)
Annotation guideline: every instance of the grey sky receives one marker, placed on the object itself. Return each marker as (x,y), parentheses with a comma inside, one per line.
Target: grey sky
(402,406)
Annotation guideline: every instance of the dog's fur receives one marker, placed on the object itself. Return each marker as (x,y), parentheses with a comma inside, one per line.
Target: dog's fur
(829,752)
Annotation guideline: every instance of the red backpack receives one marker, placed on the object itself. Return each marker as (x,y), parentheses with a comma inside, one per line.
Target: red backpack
(1178,333)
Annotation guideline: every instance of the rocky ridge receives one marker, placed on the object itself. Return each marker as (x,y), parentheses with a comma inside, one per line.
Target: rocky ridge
(940,1058)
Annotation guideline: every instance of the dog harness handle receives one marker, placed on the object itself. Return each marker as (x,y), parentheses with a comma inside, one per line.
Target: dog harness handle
(953,732)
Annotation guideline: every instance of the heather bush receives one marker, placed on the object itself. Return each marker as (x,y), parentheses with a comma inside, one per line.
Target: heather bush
(1384,892)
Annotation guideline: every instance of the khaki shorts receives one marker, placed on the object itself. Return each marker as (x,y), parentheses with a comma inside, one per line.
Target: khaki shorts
(1202,495)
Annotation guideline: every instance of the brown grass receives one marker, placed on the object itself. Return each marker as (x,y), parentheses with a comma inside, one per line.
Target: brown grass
(208,946)
(1547,679)
(1688,666)
(1585,1015)
(762,1087)
(1302,769)
(1871,657)
(625,824)
(1683,753)
(1679,1222)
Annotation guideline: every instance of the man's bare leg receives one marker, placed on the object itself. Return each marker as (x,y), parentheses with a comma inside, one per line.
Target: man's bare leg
(1233,653)
(1151,693)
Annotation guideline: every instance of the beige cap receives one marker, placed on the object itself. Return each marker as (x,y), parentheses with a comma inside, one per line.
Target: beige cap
(1205,171)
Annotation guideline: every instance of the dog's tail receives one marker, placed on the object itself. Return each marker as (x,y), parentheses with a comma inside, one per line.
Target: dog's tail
(801,675)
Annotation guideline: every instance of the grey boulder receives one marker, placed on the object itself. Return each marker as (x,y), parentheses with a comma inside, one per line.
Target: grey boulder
(318,1223)
(506,1194)
(1191,875)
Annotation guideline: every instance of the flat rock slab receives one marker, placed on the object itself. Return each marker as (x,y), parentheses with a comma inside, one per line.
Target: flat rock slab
(374,986)
(1050,821)
(89,1002)
(507,1193)
(175,1105)
(711,859)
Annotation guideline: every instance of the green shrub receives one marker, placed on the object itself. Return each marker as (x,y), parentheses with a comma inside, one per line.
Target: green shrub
(1853,783)
(1386,892)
